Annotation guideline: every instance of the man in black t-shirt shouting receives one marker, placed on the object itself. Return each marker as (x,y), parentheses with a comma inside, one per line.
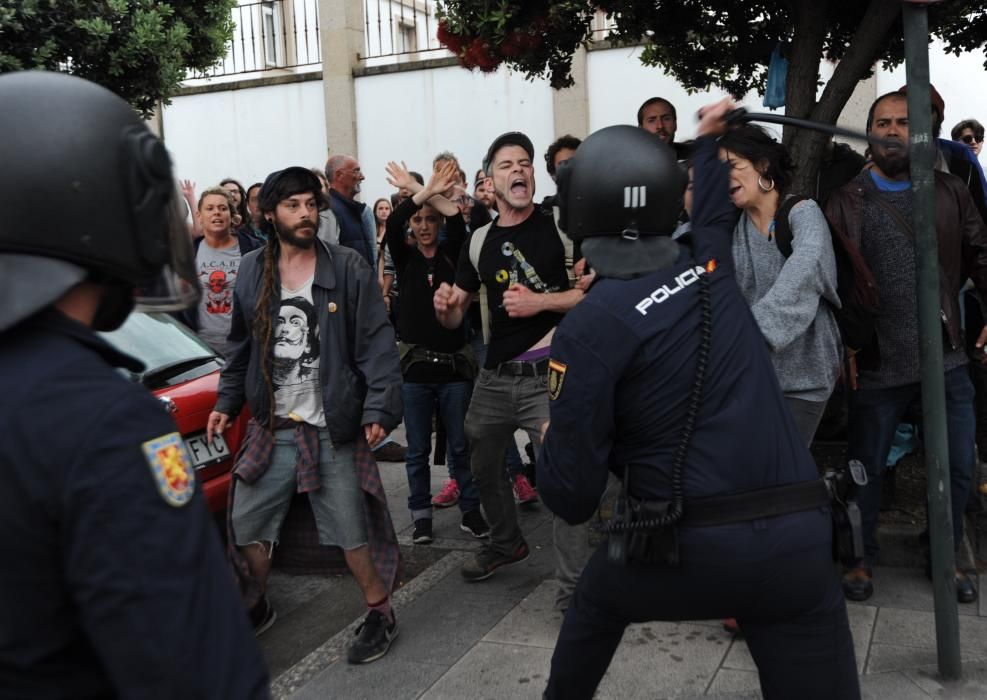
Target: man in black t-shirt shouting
(520,260)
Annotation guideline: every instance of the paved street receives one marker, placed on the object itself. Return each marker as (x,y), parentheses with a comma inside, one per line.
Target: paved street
(494,639)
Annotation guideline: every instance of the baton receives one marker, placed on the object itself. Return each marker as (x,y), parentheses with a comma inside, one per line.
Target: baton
(742,116)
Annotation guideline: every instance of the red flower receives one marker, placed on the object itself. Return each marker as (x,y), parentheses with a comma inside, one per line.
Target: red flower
(513,45)
(451,41)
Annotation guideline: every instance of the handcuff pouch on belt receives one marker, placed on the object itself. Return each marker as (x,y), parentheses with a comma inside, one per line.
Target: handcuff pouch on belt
(462,362)
(658,545)
(843,484)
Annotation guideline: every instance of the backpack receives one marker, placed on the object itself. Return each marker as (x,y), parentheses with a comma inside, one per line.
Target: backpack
(854,281)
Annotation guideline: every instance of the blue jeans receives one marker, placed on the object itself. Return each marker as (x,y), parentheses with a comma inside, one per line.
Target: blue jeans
(419,406)
(873,416)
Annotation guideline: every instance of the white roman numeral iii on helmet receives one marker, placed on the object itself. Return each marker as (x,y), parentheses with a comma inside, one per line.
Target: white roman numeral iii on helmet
(635,197)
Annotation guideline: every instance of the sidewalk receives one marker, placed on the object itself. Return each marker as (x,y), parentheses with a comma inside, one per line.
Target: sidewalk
(494,639)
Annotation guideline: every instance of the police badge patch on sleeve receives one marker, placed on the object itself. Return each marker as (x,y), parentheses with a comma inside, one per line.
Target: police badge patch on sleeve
(171,468)
(556,375)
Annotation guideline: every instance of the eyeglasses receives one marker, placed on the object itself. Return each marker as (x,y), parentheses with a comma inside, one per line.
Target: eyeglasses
(355,171)
(971,139)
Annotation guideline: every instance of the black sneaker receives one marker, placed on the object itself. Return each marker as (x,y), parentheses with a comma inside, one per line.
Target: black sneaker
(391,452)
(373,638)
(262,616)
(423,531)
(486,561)
(474,524)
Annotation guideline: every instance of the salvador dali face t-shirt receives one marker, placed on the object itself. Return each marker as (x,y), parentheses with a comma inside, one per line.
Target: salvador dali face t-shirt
(295,368)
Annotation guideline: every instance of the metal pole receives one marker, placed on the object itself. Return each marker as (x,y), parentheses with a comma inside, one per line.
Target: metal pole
(922,155)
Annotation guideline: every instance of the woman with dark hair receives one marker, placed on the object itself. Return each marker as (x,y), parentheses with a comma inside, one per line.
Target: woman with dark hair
(970,132)
(385,265)
(791,296)
(239,200)
(381,210)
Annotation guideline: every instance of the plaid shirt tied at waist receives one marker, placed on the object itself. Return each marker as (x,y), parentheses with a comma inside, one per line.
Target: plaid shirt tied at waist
(253,461)
(258,445)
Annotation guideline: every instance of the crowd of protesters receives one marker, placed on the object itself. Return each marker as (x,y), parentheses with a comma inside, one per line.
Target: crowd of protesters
(473,284)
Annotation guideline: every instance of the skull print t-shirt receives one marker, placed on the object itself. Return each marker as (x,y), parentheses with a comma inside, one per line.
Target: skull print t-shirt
(295,370)
(217,268)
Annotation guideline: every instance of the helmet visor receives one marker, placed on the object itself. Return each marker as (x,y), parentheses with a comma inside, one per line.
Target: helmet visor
(176,286)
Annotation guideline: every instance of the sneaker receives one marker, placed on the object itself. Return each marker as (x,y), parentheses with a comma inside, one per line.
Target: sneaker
(524,492)
(487,560)
(391,452)
(966,591)
(474,524)
(730,625)
(373,638)
(262,616)
(858,583)
(448,496)
(423,531)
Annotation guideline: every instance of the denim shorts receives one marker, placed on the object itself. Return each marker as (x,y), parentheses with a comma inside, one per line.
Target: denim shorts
(259,509)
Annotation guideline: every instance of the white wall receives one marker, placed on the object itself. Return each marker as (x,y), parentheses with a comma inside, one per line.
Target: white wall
(617,84)
(246,134)
(413,116)
(961,80)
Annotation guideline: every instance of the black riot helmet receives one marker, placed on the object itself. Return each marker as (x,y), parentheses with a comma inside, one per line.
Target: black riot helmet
(621,194)
(87,192)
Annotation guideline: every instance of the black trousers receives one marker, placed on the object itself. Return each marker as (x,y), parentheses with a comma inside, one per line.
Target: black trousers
(786,599)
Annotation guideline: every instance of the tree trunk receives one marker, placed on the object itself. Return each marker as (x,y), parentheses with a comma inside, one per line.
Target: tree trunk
(807,146)
(800,98)
(809,17)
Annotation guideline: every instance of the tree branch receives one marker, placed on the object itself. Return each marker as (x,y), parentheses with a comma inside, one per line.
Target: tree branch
(865,48)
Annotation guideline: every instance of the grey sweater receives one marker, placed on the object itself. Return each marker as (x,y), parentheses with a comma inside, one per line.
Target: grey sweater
(788,299)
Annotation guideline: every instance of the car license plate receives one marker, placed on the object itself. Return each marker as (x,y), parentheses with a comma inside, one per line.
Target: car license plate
(203,452)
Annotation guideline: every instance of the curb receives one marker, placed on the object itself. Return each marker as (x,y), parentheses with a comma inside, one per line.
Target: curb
(333,650)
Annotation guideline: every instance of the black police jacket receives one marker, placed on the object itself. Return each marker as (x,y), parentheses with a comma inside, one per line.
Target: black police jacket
(107,590)
(624,364)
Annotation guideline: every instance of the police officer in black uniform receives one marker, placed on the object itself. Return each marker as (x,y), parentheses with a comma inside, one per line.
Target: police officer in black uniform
(114,583)
(661,376)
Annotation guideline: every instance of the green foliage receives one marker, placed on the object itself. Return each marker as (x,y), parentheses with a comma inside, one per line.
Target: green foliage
(702,43)
(140,49)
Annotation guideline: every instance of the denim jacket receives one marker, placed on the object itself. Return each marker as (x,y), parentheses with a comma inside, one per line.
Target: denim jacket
(359,370)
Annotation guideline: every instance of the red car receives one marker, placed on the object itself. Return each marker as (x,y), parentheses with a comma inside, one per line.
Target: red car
(183,372)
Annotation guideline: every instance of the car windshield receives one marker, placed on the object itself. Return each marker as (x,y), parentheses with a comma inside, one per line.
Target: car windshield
(158,340)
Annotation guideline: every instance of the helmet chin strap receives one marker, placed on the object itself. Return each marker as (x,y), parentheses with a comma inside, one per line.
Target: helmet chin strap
(621,258)
(115,306)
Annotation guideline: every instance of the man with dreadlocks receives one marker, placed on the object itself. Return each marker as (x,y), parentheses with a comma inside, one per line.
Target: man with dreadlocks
(314,358)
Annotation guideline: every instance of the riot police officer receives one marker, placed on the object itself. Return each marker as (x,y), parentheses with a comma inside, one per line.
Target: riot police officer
(114,582)
(661,376)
